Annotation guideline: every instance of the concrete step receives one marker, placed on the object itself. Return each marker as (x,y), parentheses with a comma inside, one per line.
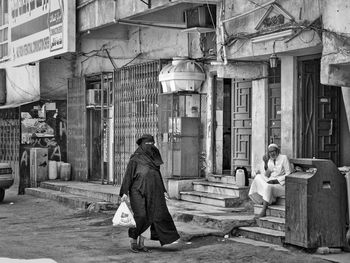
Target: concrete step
(272,210)
(211,199)
(219,178)
(71,200)
(262,234)
(221,189)
(78,188)
(271,222)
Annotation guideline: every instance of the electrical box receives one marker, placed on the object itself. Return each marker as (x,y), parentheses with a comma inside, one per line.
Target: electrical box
(315,204)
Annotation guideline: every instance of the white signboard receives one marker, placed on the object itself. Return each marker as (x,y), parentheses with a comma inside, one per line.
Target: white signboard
(40,29)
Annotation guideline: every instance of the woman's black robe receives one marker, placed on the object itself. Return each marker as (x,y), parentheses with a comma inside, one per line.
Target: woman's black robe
(144,185)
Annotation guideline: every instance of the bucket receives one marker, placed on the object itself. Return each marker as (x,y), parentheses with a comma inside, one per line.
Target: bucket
(52,170)
(65,171)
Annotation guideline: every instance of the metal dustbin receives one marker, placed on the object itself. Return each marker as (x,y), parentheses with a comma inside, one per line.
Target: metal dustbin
(315,204)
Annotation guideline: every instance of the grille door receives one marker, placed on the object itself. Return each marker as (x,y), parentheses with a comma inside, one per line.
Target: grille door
(136,110)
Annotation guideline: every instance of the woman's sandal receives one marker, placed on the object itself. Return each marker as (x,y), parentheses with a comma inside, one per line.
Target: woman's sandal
(134,247)
(141,245)
(144,249)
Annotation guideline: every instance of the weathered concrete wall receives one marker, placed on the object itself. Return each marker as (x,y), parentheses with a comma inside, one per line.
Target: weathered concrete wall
(144,43)
(53,77)
(300,10)
(336,48)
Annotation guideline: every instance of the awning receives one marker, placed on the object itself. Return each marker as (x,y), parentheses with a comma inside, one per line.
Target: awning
(22,86)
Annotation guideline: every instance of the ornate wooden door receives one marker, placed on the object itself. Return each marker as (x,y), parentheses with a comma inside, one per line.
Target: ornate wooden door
(241,123)
(76,124)
(319,109)
(274,105)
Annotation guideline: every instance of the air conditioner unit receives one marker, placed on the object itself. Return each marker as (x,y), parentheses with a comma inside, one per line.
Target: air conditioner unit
(93,97)
(201,16)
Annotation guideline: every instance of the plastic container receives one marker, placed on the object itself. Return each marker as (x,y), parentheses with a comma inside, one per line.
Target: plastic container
(240,177)
(59,163)
(65,171)
(52,170)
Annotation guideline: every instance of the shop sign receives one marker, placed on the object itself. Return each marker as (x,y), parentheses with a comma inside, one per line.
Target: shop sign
(40,29)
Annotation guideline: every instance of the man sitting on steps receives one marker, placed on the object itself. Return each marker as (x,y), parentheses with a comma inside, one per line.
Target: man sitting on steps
(268,183)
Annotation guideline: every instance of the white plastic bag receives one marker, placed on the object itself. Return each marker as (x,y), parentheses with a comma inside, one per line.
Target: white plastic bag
(123,216)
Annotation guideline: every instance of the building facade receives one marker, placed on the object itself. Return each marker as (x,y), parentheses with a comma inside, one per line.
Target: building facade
(275,71)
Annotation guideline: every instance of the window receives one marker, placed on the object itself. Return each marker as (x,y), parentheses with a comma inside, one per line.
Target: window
(4,21)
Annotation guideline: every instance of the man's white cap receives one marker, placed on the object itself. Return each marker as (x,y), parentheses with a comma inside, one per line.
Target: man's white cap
(273,145)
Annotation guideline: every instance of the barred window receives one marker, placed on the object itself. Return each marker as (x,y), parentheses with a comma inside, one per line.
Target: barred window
(4,22)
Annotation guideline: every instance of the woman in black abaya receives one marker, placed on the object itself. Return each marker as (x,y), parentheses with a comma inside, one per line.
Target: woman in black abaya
(144,185)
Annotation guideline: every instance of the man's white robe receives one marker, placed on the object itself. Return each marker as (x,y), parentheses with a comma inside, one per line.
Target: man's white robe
(260,190)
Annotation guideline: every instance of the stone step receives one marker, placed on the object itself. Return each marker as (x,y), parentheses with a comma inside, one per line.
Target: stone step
(210,199)
(218,178)
(272,210)
(78,188)
(71,200)
(261,234)
(221,189)
(271,222)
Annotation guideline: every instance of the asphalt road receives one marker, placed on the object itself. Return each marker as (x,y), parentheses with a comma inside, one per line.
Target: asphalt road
(34,228)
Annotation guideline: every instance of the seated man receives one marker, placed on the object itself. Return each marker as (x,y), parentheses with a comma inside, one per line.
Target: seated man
(269,180)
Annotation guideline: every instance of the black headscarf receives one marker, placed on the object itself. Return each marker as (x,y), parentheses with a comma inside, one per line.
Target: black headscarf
(147,154)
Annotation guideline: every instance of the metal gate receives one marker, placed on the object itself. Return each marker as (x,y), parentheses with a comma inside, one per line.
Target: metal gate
(136,110)
(10,138)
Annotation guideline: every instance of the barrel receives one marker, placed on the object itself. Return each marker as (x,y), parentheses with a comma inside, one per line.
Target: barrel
(65,171)
(52,170)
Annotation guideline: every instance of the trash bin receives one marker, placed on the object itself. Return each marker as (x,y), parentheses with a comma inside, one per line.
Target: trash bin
(315,204)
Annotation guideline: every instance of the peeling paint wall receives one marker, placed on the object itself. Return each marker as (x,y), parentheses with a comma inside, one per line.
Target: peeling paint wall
(144,44)
(301,11)
(336,47)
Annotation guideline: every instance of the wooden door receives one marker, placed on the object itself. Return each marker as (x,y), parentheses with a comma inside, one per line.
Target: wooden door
(274,105)
(274,113)
(76,125)
(241,123)
(319,108)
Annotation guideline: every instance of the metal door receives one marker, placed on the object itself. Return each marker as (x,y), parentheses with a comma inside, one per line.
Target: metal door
(136,110)
(241,123)
(319,109)
(76,125)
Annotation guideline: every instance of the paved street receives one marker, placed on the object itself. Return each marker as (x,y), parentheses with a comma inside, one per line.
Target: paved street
(33,228)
